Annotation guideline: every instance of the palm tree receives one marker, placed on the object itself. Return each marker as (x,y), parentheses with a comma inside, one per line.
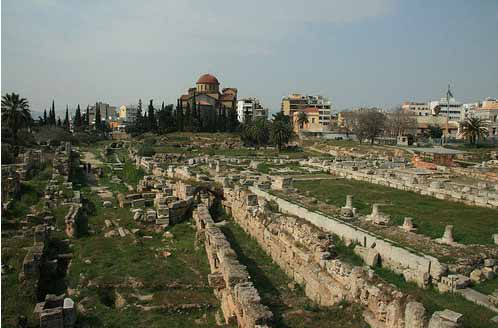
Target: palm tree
(281,130)
(15,113)
(302,119)
(473,129)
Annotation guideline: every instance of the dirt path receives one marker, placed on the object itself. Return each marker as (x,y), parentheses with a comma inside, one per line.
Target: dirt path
(89,157)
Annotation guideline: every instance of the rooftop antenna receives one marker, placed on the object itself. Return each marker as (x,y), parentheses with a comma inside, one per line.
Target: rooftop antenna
(448,96)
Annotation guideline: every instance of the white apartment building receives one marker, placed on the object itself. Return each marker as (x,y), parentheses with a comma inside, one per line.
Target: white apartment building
(454,110)
(250,109)
(416,108)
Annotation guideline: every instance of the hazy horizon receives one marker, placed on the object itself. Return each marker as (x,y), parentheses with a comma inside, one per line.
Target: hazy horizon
(357,53)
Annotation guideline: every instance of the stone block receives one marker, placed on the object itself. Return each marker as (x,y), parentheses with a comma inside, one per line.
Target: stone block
(415,315)
(138,202)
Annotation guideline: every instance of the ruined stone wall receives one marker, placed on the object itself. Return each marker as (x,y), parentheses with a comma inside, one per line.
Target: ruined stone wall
(475,198)
(416,268)
(300,249)
(240,301)
(72,221)
(306,254)
(11,182)
(29,276)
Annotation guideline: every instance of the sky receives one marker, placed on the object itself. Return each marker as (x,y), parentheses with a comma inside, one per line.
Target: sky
(356,52)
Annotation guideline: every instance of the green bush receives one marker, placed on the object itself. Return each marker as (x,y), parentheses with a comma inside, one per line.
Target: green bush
(146,150)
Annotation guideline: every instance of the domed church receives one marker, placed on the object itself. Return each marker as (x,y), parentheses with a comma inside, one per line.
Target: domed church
(207,96)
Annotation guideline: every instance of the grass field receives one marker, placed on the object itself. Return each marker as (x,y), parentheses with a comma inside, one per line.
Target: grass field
(14,302)
(474,316)
(473,225)
(291,308)
(488,286)
(110,263)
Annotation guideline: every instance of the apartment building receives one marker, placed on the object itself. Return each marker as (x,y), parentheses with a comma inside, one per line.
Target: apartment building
(416,108)
(250,109)
(296,102)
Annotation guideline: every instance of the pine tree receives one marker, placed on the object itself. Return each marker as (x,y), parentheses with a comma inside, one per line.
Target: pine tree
(194,120)
(87,118)
(139,119)
(77,117)
(152,117)
(98,123)
(187,119)
(52,114)
(179,116)
(223,120)
(66,119)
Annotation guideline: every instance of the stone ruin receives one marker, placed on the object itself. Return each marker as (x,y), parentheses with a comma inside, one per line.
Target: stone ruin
(447,236)
(408,225)
(348,210)
(11,183)
(240,300)
(376,217)
(307,255)
(73,221)
(56,312)
(163,203)
(62,162)
(35,258)
(281,182)
(395,174)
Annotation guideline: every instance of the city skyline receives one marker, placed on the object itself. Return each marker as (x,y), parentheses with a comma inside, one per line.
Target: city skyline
(364,53)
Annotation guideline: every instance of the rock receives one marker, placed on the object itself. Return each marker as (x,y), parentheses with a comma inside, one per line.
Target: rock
(415,316)
(445,319)
(489,262)
(87,261)
(120,301)
(107,204)
(168,234)
(488,273)
(477,276)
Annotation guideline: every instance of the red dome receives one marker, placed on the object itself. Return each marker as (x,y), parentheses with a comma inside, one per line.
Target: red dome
(208,79)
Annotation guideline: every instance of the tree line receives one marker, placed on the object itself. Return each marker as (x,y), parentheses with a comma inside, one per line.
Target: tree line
(191,118)
(261,132)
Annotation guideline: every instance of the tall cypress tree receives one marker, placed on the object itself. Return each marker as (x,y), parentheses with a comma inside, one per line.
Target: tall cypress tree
(139,119)
(223,119)
(77,117)
(66,119)
(59,123)
(87,119)
(152,117)
(179,116)
(187,119)
(98,123)
(194,120)
(45,116)
(52,114)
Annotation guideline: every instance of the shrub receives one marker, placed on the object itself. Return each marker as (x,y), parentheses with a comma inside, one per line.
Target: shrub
(146,150)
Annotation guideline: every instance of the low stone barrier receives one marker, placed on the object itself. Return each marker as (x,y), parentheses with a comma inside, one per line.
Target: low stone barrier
(305,253)
(240,301)
(415,267)
(73,221)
